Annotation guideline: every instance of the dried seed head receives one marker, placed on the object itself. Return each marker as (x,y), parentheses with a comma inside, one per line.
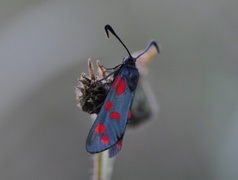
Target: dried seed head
(92,90)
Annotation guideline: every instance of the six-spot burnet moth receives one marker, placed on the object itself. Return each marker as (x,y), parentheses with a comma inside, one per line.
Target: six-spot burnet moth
(108,129)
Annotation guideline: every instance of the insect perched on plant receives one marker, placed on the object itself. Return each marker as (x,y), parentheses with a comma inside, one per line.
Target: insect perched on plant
(108,129)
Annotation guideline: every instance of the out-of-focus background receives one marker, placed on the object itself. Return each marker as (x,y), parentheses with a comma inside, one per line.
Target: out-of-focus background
(44,47)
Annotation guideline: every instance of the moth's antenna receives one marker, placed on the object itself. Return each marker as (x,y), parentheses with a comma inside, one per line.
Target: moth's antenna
(109,28)
(152,43)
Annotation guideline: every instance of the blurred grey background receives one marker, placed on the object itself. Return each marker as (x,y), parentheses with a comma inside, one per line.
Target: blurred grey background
(44,47)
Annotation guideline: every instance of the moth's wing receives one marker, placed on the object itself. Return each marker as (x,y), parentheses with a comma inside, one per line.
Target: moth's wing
(111,121)
(116,147)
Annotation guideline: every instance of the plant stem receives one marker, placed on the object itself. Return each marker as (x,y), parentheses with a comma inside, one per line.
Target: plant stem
(97,160)
(102,164)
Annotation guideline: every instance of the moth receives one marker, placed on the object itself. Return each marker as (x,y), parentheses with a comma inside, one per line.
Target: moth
(108,129)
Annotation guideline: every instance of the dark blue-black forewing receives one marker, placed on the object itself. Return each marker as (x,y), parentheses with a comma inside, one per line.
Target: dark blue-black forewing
(111,121)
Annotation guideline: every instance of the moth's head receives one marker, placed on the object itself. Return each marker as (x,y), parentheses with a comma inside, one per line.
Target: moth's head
(129,60)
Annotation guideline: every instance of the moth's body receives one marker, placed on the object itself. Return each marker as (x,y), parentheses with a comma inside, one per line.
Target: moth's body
(130,72)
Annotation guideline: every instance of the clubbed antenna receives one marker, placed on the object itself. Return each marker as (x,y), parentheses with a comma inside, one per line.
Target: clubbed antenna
(109,28)
(152,43)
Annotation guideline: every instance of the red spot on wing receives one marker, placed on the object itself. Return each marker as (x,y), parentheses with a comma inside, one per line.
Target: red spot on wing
(108,105)
(119,144)
(115,81)
(121,87)
(105,139)
(114,115)
(100,128)
(129,114)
